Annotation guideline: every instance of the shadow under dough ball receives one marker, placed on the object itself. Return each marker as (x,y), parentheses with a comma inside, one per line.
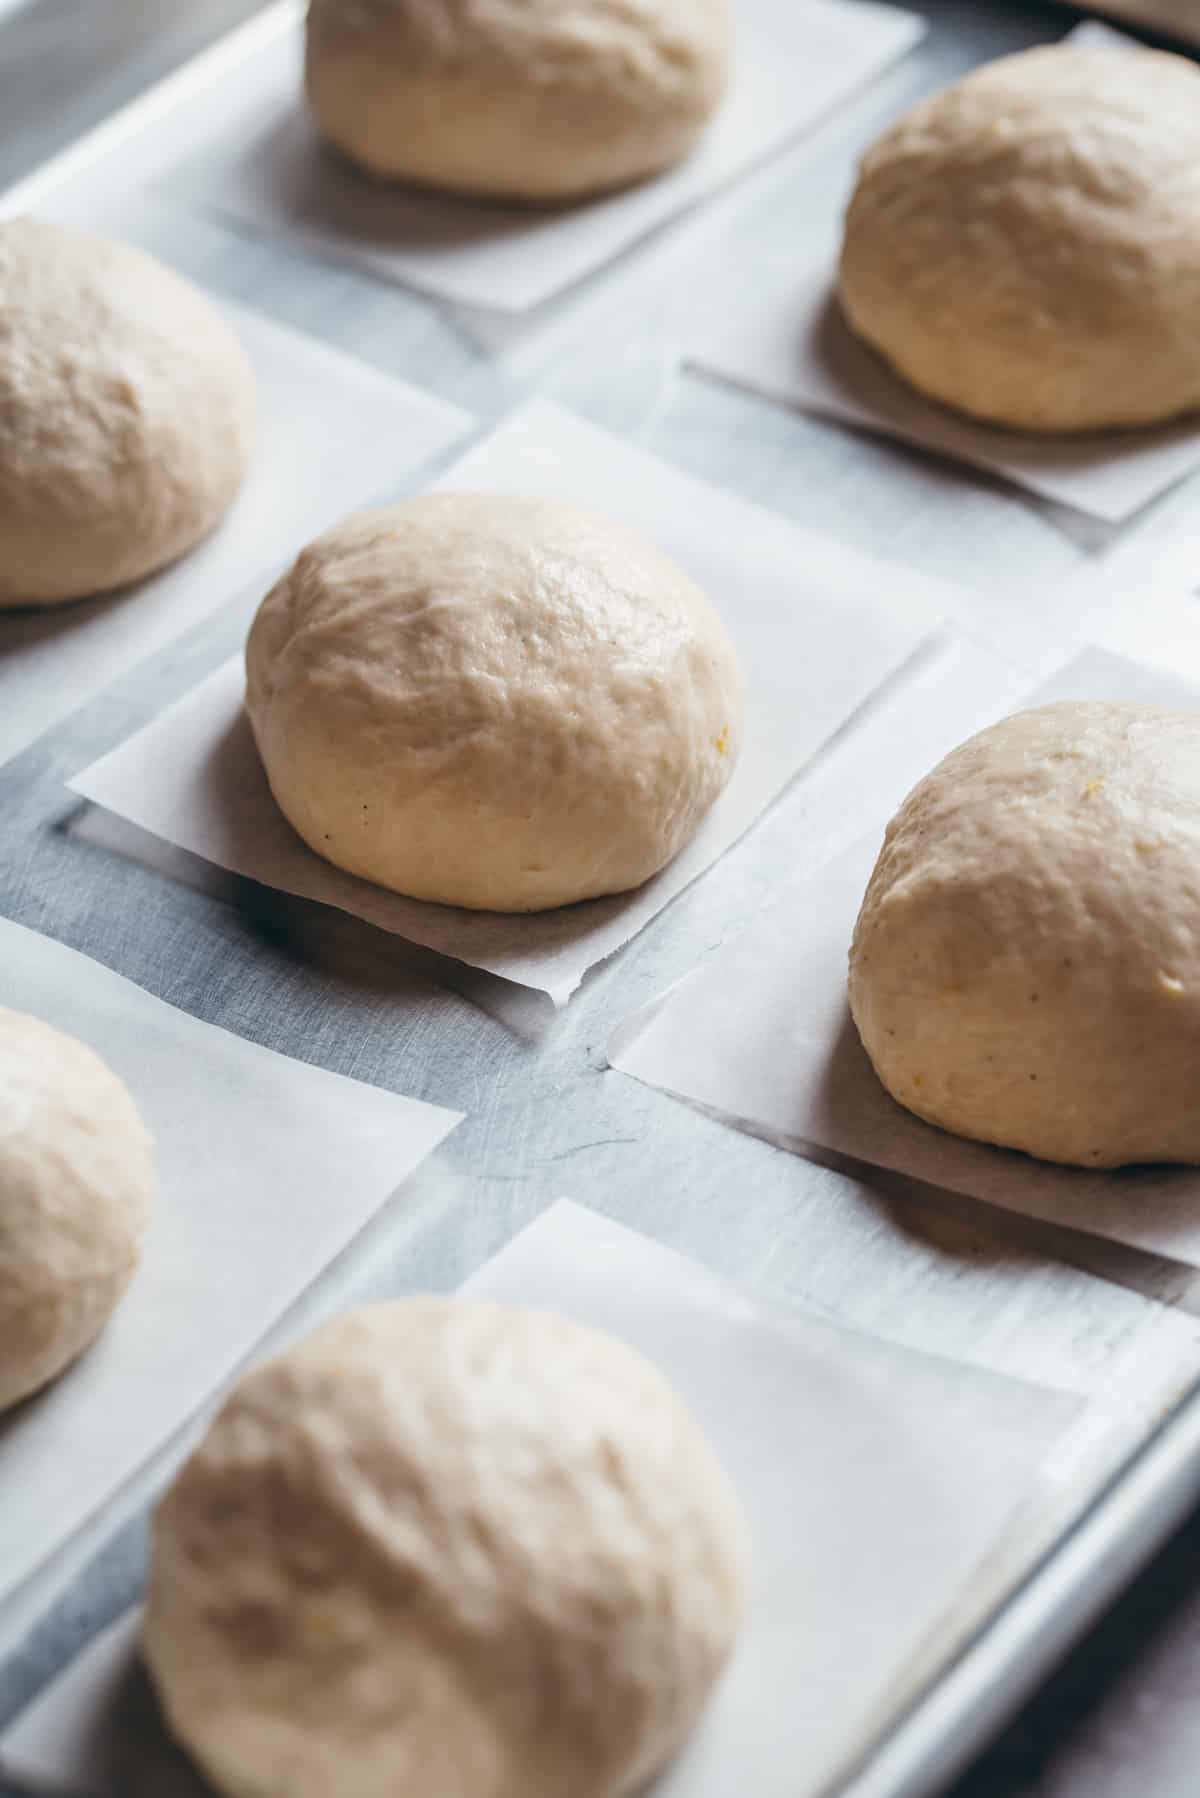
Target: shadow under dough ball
(76,1186)
(1025,246)
(126,414)
(445,1546)
(528,100)
(1026,965)
(499,703)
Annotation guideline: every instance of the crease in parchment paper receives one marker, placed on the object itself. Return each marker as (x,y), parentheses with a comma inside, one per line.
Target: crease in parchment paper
(266,1169)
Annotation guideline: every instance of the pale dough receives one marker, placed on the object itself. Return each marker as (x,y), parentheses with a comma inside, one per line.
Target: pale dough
(76,1184)
(1026,965)
(126,414)
(1026,245)
(444,1548)
(492,702)
(519,99)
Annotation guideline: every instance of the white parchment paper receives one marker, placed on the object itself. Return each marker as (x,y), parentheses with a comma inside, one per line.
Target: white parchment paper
(330,431)
(791,343)
(763,1036)
(785,337)
(1179,18)
(266,1169)
(267,166)
(875,1481)
(819,629)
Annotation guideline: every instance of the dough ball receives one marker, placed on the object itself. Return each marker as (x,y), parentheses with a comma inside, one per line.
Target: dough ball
(1026,245)
(76,1183)
(444,1547)
(492,702)
(126,414)
(1026,965)
(518,99)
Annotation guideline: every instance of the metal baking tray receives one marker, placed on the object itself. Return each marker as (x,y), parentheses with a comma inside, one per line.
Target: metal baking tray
(530,1087)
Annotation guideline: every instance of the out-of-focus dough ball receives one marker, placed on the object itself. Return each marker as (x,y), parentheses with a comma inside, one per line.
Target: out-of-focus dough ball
(76,1184)
(1026,245)
(518,99)
(1026,965)
(126,414)
(492,702)
(445,1547)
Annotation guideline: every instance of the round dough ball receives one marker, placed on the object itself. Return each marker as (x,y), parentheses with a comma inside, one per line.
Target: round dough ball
(126,414)
(76,1183)
(535,100)
(1026,246)
(444,1547)
(1026,965)
(492,702)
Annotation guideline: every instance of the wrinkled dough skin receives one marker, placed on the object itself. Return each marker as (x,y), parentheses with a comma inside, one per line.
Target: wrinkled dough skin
(489,702)
(533,100)
(1026,965)
(1025,247)
(126,414)
(444,1548)
(76,1184)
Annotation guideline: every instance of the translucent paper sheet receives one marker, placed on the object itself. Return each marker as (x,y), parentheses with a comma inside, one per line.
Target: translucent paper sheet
(266,1169)
(268,168)
(819,628)
(784,336)
(763,1036)
(875,1481)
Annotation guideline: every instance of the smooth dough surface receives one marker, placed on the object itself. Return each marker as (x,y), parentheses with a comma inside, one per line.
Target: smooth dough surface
(499,703)
(1026,246)
(444,1547)
(76,1185)
(518,99)
(126,414)
(1026,965)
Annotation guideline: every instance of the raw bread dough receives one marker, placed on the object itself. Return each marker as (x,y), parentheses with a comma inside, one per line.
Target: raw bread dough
(76,1183)
(444,1547)
(1026,965)
(1026,245)
(126,414)
(492,702)
(519,99)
